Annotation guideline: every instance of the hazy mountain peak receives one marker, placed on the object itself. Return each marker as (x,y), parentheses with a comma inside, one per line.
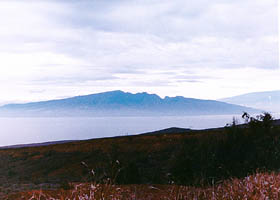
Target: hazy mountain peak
(119,103)
(268,100)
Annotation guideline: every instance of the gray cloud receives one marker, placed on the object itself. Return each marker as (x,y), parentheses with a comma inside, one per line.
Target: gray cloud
(136,43)
(128,70)
(186,77)
(62,80)
(37,91)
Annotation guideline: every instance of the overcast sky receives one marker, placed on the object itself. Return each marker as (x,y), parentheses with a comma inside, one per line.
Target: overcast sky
(204,49)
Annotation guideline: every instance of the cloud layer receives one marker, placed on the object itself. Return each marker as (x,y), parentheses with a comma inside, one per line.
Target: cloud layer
(203,49)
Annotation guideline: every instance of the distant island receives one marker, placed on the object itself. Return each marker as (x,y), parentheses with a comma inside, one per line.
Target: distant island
(119,103)
(269,100)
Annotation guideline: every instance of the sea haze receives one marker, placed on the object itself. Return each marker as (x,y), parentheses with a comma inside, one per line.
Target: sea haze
(34,130)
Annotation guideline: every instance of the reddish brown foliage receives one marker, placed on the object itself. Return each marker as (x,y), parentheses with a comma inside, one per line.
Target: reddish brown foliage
(259,187)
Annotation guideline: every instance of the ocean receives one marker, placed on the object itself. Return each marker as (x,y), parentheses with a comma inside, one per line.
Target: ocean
(35,130)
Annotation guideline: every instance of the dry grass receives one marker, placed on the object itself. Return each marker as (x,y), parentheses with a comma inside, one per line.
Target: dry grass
(260,186)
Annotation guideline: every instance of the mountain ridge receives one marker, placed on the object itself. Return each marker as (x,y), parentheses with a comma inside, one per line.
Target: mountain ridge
(119,103)
(266,100)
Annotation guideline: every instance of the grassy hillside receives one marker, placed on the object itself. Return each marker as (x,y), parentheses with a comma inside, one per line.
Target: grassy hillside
(258,186)
(192,158)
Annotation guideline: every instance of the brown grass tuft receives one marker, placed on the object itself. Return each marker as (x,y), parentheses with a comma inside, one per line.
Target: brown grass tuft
(260,186)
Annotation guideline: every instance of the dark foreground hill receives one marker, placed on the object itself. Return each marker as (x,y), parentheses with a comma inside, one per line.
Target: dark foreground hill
(191,157)
(118,103)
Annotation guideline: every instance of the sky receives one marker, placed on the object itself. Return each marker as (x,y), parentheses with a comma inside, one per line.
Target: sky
(53,49)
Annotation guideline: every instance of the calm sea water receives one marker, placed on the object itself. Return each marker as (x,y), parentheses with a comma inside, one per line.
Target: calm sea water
(33,130)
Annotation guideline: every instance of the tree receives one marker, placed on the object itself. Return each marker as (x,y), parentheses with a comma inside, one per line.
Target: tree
(260,123)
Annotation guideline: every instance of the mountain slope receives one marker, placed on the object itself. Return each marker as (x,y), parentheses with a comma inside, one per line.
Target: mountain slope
(269,101)
(119,103)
